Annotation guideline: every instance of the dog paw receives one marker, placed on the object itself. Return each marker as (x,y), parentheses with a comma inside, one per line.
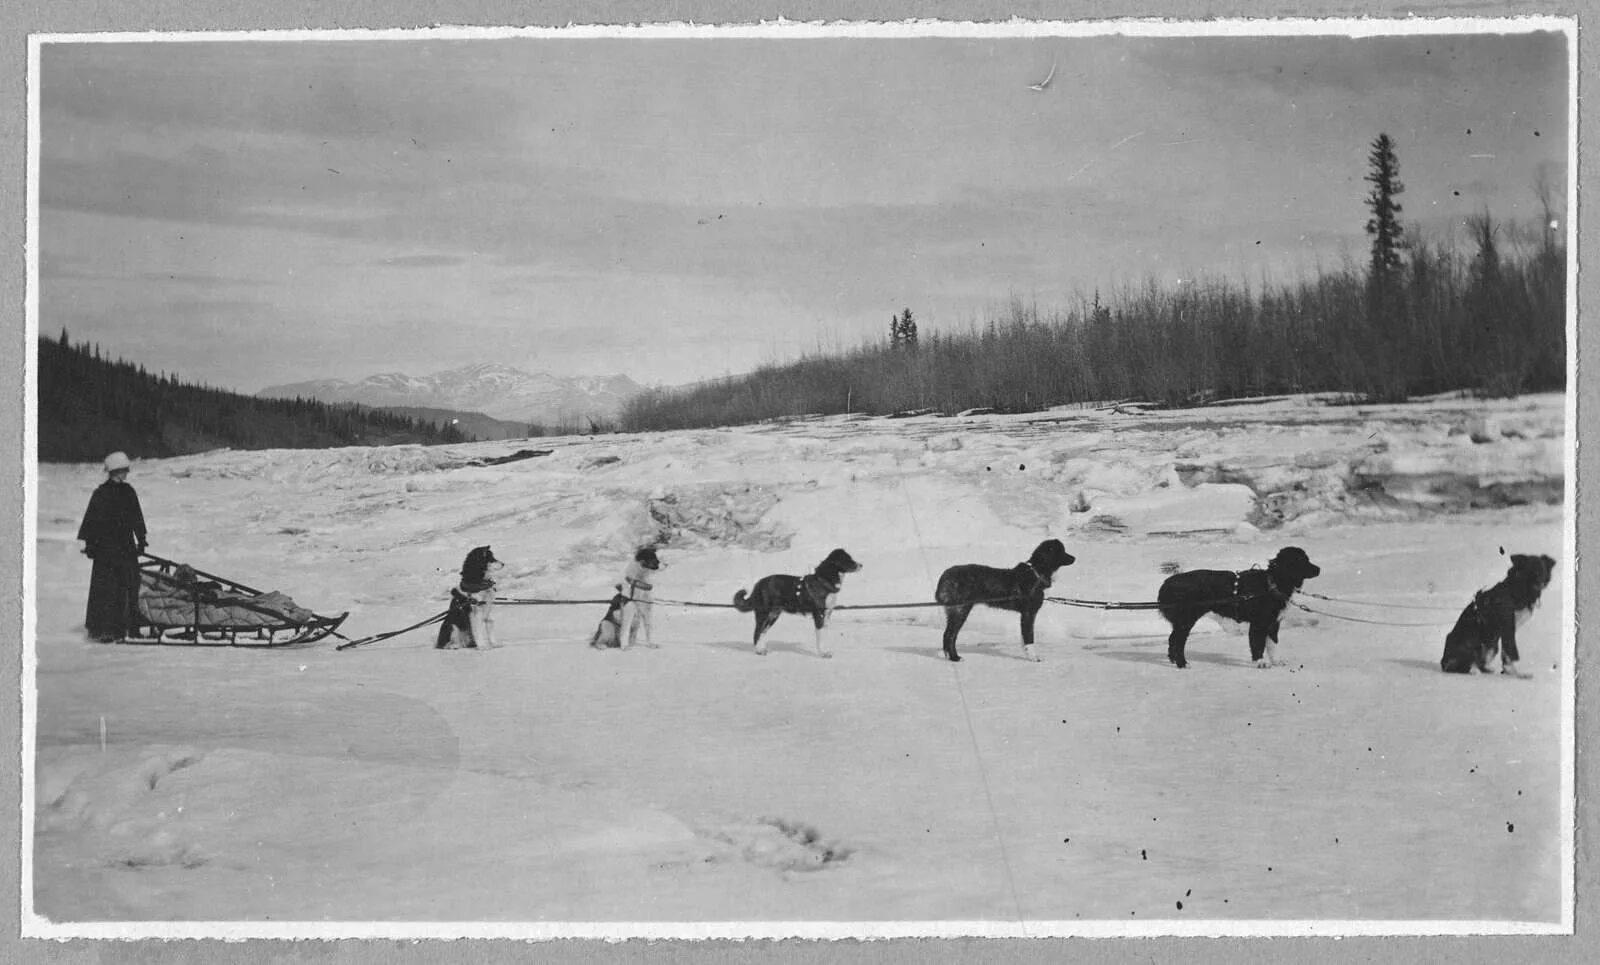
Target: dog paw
(1028,654)
(1264,664)
(825,654)
(954,657)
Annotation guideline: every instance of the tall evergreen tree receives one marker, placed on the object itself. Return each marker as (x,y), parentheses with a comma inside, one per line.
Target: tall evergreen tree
(903,330)
(1384,226)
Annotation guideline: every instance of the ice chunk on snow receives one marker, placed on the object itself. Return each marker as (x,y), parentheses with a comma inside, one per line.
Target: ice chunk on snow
(1210,508)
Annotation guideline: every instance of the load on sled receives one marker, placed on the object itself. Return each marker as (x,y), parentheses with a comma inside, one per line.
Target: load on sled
(179,604)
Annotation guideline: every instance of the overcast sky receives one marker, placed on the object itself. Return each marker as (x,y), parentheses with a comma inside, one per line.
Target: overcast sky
(253,213)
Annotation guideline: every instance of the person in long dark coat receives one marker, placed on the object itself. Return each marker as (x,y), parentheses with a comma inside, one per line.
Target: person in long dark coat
(113,535)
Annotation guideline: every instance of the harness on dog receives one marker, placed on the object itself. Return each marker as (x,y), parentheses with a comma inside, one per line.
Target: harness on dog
(463,594)
(634,584)
(1482,604)
(803,600)
(1272,585)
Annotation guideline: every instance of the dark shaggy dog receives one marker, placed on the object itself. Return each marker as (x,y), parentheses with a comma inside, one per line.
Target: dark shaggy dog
(1490,621)
(1255,597)
(1020,589)
(470,620)
(775,595)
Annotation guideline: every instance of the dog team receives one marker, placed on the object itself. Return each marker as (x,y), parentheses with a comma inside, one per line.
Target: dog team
(1255,597)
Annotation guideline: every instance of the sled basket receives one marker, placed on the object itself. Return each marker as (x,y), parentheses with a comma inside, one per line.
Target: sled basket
(180,605)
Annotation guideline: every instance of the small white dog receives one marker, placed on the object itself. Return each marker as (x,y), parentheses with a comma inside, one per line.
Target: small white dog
(636,587)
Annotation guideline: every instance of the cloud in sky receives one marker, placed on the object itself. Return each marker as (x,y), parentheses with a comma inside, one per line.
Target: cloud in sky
(257,212)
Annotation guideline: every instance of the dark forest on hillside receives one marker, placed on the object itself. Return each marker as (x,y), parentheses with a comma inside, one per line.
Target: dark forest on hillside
(90,405)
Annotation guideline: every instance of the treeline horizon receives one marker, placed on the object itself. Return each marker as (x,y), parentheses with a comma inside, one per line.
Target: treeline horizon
(89,405)
(1489,322)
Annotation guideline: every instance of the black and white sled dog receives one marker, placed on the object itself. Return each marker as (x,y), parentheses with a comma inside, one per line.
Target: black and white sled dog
(469,623)
(633,606)
(1253,597)
(608,635)
(813,594)
(1489,623)
(1020,589)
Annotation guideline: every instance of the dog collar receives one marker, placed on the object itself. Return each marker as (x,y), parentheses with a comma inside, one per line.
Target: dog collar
(832,586)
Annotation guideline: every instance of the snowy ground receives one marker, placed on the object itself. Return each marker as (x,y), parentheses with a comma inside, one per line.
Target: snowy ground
(545,782)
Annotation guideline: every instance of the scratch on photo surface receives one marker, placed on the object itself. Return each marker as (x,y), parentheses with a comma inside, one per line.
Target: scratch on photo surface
(1091,162)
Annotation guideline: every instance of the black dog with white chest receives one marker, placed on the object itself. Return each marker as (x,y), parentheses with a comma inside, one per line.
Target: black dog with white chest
(775,595)
(1254,597)
(608,635)
(1489,623)
(1020,589)
(469,623)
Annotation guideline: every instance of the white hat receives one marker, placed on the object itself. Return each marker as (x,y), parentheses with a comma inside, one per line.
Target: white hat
(117,460)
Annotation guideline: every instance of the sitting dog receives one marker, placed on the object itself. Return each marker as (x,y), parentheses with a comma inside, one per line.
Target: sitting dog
(469,623)
(1254,597)
(608,635)
(636,586)
(1490,621)
(775,595)
(632,607)
(1020,588)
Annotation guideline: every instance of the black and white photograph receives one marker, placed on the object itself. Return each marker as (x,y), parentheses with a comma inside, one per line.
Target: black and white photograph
(1023,479)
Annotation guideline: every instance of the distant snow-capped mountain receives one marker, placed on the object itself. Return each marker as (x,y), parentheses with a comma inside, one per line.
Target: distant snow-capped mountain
(495,390)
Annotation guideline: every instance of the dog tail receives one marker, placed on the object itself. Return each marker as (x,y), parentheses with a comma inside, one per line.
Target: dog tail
(741,603)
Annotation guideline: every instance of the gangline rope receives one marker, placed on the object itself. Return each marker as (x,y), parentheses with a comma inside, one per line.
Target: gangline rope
(1144,605)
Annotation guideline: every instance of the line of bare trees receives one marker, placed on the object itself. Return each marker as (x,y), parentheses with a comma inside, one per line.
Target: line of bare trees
(1422,317)
(1491,322)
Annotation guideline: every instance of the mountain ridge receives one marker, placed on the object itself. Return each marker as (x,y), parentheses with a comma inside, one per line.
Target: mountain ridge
(493,389)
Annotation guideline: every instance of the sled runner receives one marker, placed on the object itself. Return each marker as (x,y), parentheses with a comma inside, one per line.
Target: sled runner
(179,604)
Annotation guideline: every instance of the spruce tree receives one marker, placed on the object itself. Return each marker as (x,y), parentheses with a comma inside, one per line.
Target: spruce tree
(1384,225)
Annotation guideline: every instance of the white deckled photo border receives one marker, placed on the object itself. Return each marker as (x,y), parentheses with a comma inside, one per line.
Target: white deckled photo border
(35,926)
